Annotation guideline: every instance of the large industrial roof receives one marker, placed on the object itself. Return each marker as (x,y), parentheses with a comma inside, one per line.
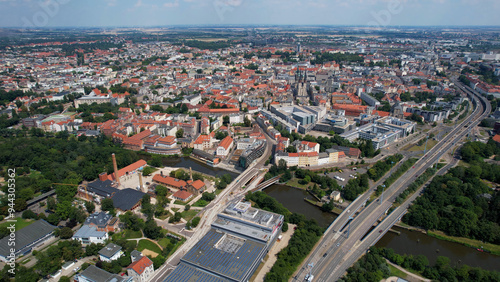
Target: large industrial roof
(187,273)
(225,255)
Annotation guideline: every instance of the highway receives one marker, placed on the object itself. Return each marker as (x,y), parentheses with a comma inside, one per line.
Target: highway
(337,251)
(232,192)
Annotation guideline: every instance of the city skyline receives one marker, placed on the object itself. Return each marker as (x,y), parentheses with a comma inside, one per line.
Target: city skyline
(148,13)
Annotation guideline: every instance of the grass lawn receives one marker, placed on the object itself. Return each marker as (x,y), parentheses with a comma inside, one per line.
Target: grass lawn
(494,249)
(146,244)
(177,202)
(131,234)
(218,191)
(294,182)
(200,203)
(431,143)
(188,215)
(165,216)
(175,209)
(20,223)
(397,272)
(164,242)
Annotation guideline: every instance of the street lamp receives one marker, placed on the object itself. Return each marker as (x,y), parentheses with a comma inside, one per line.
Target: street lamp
(349,227)
(425,149)
(382,197)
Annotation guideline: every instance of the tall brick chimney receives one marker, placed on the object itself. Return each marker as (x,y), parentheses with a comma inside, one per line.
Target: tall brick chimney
(103,176)
(140,181)
(115,167)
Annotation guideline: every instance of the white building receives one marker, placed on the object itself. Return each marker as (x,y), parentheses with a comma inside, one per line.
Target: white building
(110,252)
(225,146)
(89,234)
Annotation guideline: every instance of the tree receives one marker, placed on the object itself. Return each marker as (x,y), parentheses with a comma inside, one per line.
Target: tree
(93,249)
(29,214)
(152,230)
(195,221)
(156,161)
(176,218)
(65,233)
(147,171)
(20,204)
(107,205)
(90,206)
(179,133)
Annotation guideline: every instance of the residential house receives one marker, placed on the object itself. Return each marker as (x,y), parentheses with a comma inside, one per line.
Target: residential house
(141,270)
(110,252)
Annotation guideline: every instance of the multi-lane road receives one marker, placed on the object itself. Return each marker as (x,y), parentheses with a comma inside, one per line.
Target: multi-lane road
(341,244)
(211,210)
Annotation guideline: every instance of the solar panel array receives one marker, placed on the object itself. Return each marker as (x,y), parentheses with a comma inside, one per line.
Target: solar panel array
(187,273)
(206,256)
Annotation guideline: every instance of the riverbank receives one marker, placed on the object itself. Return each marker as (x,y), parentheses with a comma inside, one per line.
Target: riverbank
(471,243)
(476,244)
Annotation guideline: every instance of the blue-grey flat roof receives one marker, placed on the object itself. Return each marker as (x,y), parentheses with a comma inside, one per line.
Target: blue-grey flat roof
(208,254)
(187,273)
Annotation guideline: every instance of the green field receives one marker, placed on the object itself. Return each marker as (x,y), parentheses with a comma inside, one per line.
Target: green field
(396,272)
(200,203)
(20,223)
(294,182)
(188,215)
(146,244)
(164,242)
(431,143)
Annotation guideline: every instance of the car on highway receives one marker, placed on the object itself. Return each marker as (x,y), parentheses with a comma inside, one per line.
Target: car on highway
(380,231)
(325,254)
(309,277)
(338,244)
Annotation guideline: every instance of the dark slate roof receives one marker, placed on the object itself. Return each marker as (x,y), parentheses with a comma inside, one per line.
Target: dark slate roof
(186,272)
(100,219)
(102,188)
(93,273)
(126,199)
(110,250)
(27,235)
(236,265)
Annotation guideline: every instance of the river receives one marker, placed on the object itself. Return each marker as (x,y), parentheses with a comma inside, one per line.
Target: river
(186,162)
(408,242)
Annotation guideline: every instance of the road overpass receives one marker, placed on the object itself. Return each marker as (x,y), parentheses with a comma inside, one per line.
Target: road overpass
(232,192)
(340,246)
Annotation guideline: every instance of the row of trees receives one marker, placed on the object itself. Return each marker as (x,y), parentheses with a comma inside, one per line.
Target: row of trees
(440,271)
(372,267)
(380,168)
(416,184)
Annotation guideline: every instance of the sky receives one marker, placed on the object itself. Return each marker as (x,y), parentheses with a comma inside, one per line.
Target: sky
(146,13)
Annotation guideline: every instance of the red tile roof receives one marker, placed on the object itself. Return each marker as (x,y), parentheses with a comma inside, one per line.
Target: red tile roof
(226,142)
(140,265)
(174,182)
(181,194)
(128,168)
(496,138)
(198,184)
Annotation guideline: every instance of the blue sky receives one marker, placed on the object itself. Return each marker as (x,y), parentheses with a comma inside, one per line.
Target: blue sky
(131,13)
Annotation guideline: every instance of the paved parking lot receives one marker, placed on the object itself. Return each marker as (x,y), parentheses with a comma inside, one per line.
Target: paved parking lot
(345,174)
